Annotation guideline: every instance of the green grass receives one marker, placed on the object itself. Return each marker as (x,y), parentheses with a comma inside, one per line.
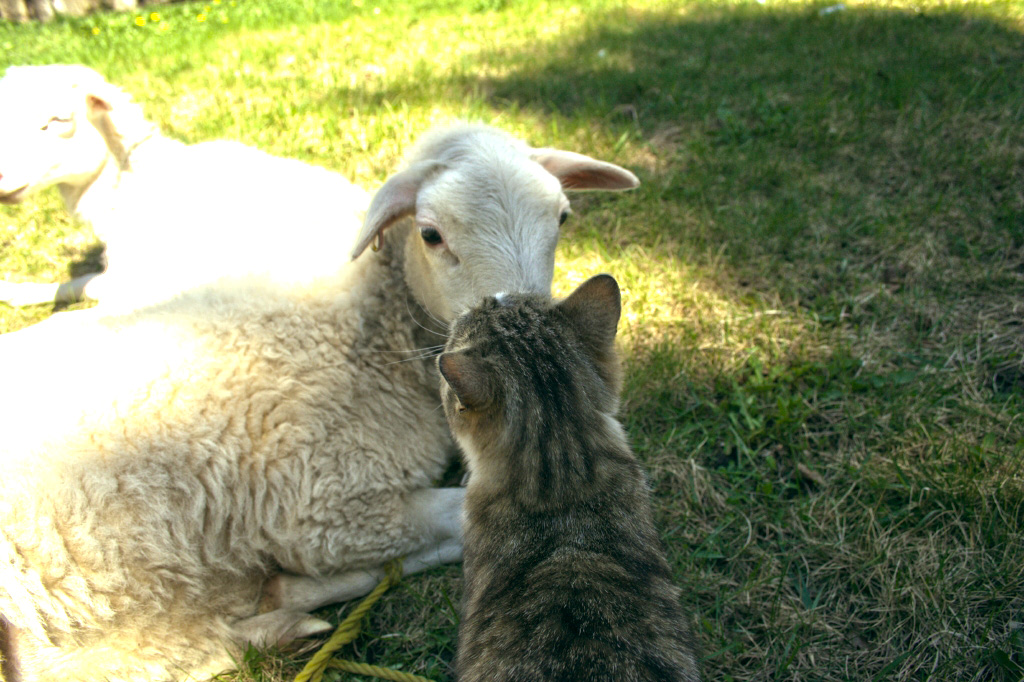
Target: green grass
(823,279)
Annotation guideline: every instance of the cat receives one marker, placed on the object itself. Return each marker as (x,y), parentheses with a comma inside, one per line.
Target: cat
(565,576)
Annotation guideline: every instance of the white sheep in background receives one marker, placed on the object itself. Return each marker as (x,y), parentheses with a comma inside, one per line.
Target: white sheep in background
(172,216)
(246,452)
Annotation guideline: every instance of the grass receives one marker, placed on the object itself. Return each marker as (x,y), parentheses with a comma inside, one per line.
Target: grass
(823,279)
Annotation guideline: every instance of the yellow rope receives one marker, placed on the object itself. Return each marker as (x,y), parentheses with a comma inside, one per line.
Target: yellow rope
(348,630)
(376,671)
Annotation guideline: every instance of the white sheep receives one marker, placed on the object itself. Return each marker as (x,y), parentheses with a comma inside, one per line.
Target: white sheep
(246,452)
(172,216)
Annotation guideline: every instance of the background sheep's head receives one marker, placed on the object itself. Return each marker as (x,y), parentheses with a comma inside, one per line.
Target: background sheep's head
(487,211)
(45,136)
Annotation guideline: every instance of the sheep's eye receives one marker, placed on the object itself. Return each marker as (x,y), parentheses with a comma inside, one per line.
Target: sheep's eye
(562,218)
(55,119)
(431,236)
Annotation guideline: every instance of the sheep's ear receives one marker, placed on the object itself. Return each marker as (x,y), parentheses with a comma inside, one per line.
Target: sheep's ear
(594,309)
(577,171)
(96,106)
(97,110)
(395,200)
(466,373)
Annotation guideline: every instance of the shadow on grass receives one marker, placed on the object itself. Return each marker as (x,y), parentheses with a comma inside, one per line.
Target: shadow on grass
(798,146)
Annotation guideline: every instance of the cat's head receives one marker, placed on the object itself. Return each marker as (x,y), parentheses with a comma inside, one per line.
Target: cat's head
(519,369)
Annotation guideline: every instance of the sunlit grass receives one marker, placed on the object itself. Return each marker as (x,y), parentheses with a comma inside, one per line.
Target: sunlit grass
(823,279)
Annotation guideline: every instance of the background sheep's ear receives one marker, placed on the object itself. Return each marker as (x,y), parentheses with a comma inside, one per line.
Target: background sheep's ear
(576,171)
(119,120)
(467,375)
(594,308)
(394,201)
(96,106)
(97,110)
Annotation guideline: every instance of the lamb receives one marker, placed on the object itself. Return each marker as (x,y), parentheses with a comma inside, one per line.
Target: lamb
(246,452)
(173,216)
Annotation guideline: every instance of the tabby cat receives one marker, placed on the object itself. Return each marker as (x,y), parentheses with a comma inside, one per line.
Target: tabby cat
(565,577)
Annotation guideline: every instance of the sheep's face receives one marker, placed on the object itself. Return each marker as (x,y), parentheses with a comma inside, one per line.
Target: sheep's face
(45,138)
(487,210)
(479,233)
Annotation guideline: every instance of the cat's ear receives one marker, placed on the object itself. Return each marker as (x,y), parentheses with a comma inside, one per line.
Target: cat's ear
(594,308)
(468,377)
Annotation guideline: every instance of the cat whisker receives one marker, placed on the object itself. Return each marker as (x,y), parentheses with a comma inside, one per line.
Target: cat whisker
(424,356)
(428,349)
(420,324)
(433,317)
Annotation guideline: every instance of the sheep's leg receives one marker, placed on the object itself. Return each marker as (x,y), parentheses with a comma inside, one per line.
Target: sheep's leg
(278,627)
(33,293)
(288,623)
(303,593)
(435,515)
(81,288)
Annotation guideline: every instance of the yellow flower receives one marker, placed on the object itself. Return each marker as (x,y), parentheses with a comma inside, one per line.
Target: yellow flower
(140,21)
(164,26)
(223,19)
(200,17)
(154,17)
(216,2)
(95,30)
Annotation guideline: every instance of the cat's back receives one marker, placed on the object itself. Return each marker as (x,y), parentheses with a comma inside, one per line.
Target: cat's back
(573,602)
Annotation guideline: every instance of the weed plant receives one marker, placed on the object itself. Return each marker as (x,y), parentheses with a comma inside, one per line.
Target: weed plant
(823,280)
